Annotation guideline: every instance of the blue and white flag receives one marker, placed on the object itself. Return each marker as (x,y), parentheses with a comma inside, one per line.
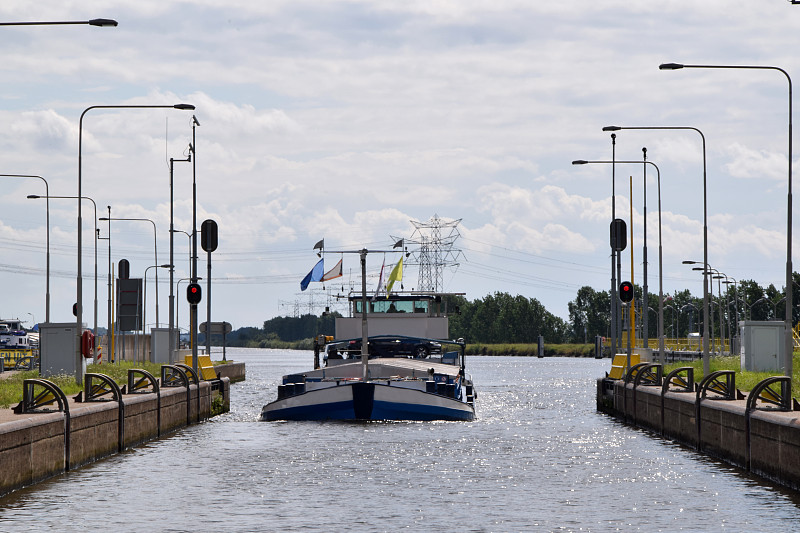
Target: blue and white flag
(314,275)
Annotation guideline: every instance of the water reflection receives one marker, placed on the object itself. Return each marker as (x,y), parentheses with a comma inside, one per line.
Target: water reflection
(538,458)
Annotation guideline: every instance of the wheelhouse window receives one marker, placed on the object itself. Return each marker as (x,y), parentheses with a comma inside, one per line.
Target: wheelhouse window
(384,306)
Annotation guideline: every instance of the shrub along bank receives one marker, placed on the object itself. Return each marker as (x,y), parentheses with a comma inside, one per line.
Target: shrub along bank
(528,350)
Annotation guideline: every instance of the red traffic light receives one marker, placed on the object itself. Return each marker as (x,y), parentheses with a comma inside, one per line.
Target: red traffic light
(194,294)
(626,291)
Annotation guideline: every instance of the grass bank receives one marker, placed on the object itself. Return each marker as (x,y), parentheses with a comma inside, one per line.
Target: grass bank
(745,381)
(532,350)
(11,385)
(528,350)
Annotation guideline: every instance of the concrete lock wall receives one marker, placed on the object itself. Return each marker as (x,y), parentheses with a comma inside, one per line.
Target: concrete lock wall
(35,446)
(31,449)
(767,445)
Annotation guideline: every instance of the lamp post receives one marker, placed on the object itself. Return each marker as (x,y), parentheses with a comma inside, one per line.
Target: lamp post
(78,360)
(706,357)
(155,248)
(189,235)
(144,305)
(729,333)
(691,316)
(723,316)
(660,253)
(96,236)
(775,307)
(79,306)
(707,281)
(733,330)
(193,307)
(171,258)
(92,22)
(674,327)
(789,343)
(750,307)
(47,238)
(110,325)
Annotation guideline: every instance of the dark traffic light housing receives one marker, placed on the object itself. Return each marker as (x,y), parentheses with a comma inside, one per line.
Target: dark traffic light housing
(626,291)
(193,293)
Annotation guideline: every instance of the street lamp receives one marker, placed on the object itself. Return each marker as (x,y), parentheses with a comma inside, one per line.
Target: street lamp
(789,343)
(47,231)
(691,316)
(750,307)
(96,235)
(190,246)
(79,318)
(707,279)
(193,308)
(155,247)
(725,333)
(674,322)
(171,349)
(110,330)
(661,355)
(79,306)
(144,306)
(706,357)
(734,333)
(93,22)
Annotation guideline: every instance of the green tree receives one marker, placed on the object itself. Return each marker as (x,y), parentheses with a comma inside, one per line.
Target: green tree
(589,314)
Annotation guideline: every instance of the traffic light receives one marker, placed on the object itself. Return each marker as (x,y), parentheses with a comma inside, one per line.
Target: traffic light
(626,291)
(193,293)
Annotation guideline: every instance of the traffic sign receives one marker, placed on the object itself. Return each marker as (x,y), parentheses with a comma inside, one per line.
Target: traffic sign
(217,328)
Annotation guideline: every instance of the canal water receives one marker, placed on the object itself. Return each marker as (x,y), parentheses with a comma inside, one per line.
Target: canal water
(538,458)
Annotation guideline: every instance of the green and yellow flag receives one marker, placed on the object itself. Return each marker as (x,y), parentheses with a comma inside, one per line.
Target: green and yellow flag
(396,275)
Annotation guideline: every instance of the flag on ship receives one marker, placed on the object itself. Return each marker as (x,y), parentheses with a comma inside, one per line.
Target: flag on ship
(335,272)
(314,275)
(395,275)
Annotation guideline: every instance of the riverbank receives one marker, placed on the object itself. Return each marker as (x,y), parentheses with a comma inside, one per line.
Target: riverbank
(523,350)
(41,441)
(758,432)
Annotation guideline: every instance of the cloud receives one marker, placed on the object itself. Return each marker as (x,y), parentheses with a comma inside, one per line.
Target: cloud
(756,164)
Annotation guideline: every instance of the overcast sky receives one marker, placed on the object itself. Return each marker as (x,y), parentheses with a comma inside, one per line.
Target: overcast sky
(346,120)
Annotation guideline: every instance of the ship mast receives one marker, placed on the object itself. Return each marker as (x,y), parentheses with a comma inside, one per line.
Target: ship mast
(364,332)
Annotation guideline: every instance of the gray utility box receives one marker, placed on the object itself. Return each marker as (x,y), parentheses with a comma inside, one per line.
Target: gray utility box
(762,348)
(159,345)
(58,345)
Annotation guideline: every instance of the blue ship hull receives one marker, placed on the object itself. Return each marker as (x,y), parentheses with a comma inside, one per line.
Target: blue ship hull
(368,401)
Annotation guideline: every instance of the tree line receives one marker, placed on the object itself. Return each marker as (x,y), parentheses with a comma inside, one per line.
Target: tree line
(729,304)
(496,318)
(503,318)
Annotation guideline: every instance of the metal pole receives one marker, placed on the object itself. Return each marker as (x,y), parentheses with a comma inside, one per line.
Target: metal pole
(79,280)
(788,340)
(208,307)
(193,308)
(364,331)
(645,299)
(172,342)
(47,239)
(110,333)
(706,355)
(170,350)
(616,334)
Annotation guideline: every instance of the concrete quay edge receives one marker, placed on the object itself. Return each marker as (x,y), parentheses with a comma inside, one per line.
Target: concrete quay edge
(763,442)
(37,446)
